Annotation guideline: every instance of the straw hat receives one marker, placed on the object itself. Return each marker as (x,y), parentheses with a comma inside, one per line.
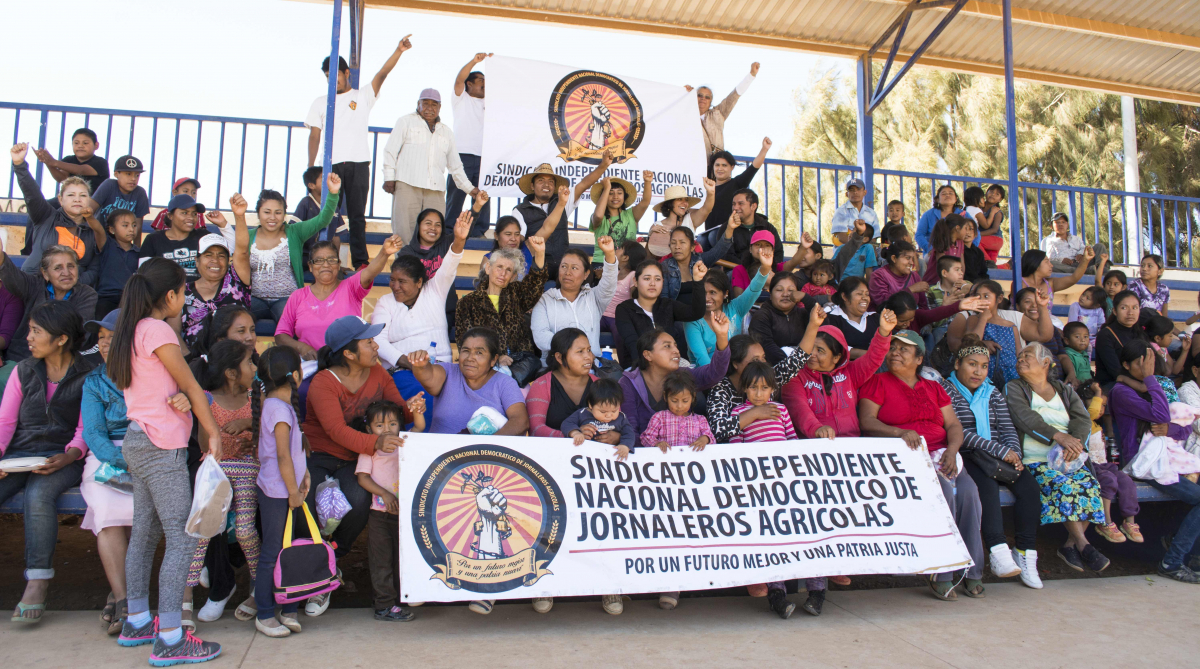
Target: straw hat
(675,192)
(526,182)
(630,191)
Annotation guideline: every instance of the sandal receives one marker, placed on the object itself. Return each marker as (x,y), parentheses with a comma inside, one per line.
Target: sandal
(22,608)
(186,621)
(943,590)
(973,588)
(247,610)
(110,609)
(120,613)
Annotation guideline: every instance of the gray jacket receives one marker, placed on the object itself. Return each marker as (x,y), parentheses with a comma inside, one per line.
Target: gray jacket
(46,222)
(554,312)
(1029,422)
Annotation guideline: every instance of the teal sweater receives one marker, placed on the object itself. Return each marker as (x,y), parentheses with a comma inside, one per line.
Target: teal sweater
(298,233)
(702,341)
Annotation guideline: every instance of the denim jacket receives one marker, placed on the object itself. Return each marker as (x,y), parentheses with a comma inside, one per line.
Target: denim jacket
(104,417)
(673,278)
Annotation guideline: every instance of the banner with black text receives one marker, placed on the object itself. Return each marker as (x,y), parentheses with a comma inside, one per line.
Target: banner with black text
(487,517)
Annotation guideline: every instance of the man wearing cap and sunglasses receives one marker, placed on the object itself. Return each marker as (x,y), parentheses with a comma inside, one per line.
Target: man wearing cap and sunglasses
(351,158)
(418,153)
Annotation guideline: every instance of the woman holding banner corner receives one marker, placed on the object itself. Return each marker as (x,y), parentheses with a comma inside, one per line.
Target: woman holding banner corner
(900,404)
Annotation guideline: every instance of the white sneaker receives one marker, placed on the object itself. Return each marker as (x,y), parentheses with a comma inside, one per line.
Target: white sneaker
(315,606)
(543,604)
(271,627)
(204,578)
(1002,561)
(1028,565)
(213,609)
(613,604)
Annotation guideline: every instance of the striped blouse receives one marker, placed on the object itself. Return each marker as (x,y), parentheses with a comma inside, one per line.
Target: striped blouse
(779,429)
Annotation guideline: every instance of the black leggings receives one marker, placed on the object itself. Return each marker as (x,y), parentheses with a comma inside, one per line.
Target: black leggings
(1027,512)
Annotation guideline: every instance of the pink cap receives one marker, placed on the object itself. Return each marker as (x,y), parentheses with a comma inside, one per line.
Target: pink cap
(763,236)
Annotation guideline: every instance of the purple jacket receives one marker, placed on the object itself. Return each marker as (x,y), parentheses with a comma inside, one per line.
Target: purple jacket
(1129,407)
(637,399)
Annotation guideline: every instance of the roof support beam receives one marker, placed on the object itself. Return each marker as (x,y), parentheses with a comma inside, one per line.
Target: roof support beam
(886,86)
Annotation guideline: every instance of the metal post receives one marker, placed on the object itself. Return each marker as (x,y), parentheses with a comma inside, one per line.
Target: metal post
(357,9)
(1133,181)
(1010,114)
(41,143)
(866,130)
(331,98)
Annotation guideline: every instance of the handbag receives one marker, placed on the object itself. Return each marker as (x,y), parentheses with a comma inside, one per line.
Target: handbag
(306,567)
(993,467)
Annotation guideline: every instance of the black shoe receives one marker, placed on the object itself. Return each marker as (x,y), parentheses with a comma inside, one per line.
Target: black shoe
(396,614)
(812,605)
(1194,563)
(1094,559)
(1070,555)
(1180,573)
(779,603)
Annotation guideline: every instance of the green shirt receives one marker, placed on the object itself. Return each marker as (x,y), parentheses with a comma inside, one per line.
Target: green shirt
(622,229)
(1083,367)
(298,233)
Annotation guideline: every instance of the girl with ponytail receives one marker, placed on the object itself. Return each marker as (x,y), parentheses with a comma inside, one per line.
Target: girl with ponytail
(145,361)
(283,479)
(227,374)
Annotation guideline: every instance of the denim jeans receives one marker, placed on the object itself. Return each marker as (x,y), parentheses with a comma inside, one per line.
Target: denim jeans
(41,513)
(1184,543)
(321,465)
(267,310)
(272,513)
(457,200)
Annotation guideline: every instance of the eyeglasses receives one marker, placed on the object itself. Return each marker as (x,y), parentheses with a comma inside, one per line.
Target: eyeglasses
(325,261)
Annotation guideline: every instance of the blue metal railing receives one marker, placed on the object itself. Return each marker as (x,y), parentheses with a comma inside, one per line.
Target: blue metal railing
(223,154)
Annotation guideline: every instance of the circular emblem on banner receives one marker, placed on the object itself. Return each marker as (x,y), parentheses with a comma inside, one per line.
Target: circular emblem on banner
(591,112)
(488,519)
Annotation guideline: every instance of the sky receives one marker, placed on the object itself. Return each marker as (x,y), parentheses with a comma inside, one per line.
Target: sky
(261,59)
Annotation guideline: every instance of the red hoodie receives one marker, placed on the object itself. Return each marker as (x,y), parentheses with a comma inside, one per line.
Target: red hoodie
(811,406)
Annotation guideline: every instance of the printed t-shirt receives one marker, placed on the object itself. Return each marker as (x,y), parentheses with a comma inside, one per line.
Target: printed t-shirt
(918,408)
(306,318)
(274,412)
(182,252)
(109,198)
(152,385)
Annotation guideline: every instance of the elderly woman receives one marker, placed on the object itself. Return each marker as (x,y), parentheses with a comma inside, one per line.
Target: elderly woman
(1137,412)
(989,436)
(53,226)
(473,383)
(501,302)
(311,309)
(676,210)
(349,380)
(677,267)
(224,273)
(1048,413)
(701,339)
(1003,331)
(57,281)
(1120,329)
(109,510)
(780,324)
(573,304)
(649,308)
(899,403)
(40,418)
(614,217)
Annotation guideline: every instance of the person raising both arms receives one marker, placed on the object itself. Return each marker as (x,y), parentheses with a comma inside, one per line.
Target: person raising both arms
(549,202)
(676,210)
(613,216)
(712,118)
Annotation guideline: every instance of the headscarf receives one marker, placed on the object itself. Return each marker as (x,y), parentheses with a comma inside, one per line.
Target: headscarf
(979,400)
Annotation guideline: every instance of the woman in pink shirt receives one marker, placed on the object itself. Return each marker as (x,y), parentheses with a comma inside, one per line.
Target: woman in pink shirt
(311,309)
(39,418)
(145,361)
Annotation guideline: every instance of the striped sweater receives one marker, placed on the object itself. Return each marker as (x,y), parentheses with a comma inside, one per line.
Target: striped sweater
(1004,435)
(779,429)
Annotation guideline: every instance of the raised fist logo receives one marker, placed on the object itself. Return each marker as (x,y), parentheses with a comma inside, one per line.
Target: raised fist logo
(600,128)
(493,508)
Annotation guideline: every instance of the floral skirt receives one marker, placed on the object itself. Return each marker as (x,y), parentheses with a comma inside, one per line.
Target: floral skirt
(1068,496)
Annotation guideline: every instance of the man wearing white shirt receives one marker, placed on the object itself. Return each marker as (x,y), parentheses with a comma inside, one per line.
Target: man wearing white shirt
(1065,250)
(351,157)
(852,211)
(712,119)
(417,154)
(468,134)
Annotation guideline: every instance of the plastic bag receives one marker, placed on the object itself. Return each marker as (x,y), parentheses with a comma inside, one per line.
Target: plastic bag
(114,477)
(486,420)
(211,498)
(332,505)
(1055,460)
(1163,460)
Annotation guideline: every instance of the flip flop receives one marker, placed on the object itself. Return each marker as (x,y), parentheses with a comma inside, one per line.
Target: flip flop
(974,588)
(20,617)
(110,609)
(947,594)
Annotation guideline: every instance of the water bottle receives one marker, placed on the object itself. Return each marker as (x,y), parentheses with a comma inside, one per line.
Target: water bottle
(433,353)
(606,353)
(1114,452)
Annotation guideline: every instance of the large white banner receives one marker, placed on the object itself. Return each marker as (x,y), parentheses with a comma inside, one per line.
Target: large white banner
(546,113)
(513,517)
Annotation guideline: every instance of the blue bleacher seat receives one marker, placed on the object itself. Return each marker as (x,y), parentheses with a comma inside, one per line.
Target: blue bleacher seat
(70,503)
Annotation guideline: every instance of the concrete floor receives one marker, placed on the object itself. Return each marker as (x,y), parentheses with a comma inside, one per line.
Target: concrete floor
(1117,622)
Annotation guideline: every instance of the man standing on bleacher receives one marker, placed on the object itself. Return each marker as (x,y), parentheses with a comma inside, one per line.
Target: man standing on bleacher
(351,157)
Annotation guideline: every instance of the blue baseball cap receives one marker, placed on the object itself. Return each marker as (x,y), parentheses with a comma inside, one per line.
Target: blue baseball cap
(855,181)
(348,329)
(184,201)
(109,322)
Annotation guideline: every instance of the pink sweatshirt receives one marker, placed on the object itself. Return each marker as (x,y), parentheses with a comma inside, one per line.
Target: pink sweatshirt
(11,405)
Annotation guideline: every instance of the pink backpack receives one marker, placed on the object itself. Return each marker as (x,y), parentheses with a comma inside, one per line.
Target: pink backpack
(306,567)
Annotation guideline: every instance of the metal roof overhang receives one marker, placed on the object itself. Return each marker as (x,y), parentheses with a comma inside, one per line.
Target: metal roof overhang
(1146,48)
